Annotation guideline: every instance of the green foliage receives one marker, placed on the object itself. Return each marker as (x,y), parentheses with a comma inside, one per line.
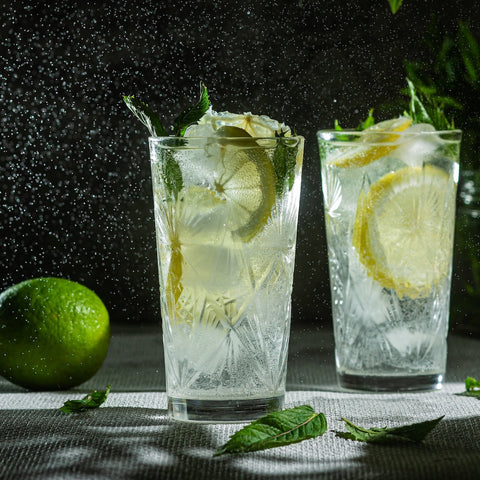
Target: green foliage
(284,162)
(451,79)
(92,400)
(472,388)
(395,5)
(415,432)
(277,429)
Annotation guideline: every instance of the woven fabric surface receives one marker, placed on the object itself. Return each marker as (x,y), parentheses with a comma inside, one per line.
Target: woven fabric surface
(131,437)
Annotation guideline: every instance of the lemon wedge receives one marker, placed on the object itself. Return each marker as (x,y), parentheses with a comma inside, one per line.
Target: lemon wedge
(399,232)
(377,135)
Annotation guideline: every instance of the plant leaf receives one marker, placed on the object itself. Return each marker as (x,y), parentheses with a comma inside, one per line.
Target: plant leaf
(284,163)
(416,432)
(472,388)
(92,400)
(191,114)
(146,115)
(172,174)
(277,429)
(425,108)
(395,5)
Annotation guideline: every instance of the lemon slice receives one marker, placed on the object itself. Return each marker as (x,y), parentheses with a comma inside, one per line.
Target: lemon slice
(246,179)
(254,125)
(378,133)
(399,231)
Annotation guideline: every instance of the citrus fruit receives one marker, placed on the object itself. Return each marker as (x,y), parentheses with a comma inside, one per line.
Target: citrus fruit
(399,232)
(379,137)
(54,333)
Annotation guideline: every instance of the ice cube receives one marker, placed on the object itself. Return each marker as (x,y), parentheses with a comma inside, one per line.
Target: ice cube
(421,143)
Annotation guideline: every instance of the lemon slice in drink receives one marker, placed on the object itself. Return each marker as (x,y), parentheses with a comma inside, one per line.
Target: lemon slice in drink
(254,125)
(399,233)
(378,134)
(246,179)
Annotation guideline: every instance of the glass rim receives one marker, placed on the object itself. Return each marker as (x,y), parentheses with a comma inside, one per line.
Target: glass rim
(361,133)
(241,139)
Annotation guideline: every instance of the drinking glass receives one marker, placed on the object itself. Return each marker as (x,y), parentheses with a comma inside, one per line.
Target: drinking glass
(226,212)
(389,203)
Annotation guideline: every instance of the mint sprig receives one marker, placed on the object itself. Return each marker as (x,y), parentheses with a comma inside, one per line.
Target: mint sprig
(425,108)
(92,400)
(415,432)
(146,115)
(277,429)
(192,114)
(187,117)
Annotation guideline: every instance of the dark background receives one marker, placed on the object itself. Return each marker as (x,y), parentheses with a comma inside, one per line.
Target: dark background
(74,172)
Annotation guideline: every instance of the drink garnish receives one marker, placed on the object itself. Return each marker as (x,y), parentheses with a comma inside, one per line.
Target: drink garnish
(187,117)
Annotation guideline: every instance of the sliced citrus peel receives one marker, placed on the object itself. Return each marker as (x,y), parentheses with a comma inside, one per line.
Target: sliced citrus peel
(383,132)
(400,234)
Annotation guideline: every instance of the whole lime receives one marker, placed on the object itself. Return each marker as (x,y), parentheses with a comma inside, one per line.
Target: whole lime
(54,334)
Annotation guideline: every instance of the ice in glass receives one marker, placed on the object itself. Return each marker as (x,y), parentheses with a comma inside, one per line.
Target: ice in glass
(226,199)
(389,201)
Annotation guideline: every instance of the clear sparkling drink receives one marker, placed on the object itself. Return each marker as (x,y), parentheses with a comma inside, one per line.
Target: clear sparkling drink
(226,209)
(389,202)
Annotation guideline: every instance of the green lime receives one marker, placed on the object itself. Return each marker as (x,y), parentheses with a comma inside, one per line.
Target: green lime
(54,334)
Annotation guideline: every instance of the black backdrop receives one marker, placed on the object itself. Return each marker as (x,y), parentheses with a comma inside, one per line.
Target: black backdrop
(74,174)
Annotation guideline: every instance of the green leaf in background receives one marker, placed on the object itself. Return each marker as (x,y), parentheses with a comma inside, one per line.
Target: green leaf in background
(395,5)
(146,115)
(426,109)
(92,400)
(191,114)
(277,429)
(416,432)
(472,388)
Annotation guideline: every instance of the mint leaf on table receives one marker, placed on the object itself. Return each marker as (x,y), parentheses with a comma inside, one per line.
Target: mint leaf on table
(416,432)
(277,429)
(92,400)
(146,115)
(193,114)
(472,388)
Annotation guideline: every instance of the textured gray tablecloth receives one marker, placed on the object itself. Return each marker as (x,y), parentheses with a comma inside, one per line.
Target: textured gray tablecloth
(130,436)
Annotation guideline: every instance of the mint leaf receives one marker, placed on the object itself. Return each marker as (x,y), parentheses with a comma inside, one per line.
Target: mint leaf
(416,432)
(191,114)
(368,122)
(395,5)
(472,388)
(425,108)
(277,429)
(284,163)
(146,115)
(92,400)
(171,174)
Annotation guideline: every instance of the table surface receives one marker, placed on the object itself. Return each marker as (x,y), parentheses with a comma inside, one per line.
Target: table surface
(131,437)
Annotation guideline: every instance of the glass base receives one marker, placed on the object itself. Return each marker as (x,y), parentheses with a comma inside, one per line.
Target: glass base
(374,383)
(222,411)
